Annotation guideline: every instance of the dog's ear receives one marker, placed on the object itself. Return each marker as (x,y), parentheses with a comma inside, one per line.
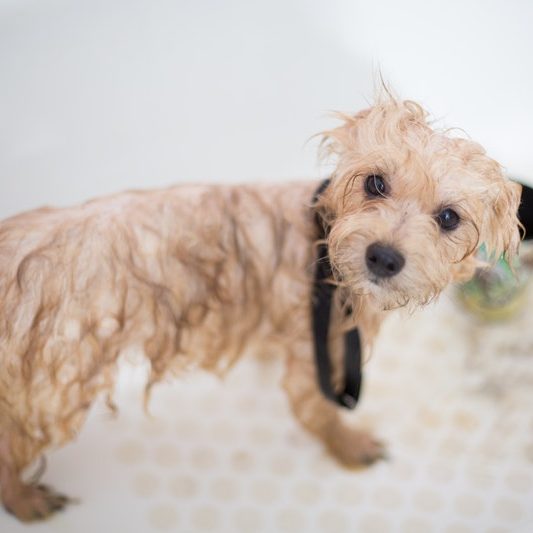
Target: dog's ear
(464,270)
(501,227)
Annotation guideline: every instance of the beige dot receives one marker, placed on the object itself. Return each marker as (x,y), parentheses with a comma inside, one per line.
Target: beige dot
(119,425)
(423,368)
(415,524)
(209,402)
(492,449)
(440,472)
(402,471)
(167,455)
(430,418)
(458,527)
(130,452)
(247,403)
(187,427)
(307,492)
(529,452)
(241,460)
(145,484)
(465,421)
(282,464)
(163,517)
(414,437)
(183,486)
(479,476)
(504,425)
(519,481)
(468,505)
(507,509)
(448,321)
(152,427)
(247,519)
(222,431)
(291,520)
(427,500)
(391,363)
(262,435)
(438,345)
(321,467)
(373,523)
(224,489)
(452,446)
(205,518)
(297,439)
(348,493)
(203,458)
(265,491)
(388,497)
(377,387)
(333,521)
(278,409)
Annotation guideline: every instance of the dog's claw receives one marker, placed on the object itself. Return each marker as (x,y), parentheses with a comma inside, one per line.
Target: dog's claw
(355,448)
(36,502)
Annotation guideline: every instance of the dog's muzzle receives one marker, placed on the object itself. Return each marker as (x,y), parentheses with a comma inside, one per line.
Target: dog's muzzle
(384,261)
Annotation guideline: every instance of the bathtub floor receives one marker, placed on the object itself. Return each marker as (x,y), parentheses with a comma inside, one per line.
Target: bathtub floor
(452,399)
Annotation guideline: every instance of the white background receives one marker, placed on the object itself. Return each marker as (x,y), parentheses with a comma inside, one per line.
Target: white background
(102,95)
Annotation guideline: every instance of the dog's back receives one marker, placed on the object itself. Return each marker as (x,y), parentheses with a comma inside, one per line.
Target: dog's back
(191,271)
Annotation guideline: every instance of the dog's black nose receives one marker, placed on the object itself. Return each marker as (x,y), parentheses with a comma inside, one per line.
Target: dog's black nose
(383,261)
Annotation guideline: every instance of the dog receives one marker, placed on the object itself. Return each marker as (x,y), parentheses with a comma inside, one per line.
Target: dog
(196,274)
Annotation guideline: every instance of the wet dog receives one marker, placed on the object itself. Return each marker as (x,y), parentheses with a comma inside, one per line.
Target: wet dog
(195,274)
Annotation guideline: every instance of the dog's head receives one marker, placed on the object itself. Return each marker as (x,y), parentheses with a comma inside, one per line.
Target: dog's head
(408,206)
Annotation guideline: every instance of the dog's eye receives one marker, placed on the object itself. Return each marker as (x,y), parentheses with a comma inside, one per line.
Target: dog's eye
(375,185)
(448,219)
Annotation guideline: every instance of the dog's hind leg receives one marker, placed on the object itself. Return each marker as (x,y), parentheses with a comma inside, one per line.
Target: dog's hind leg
(28,501)
(350,446)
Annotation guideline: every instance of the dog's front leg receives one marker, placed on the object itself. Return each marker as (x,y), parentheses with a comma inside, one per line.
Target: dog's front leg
(350,446)
(27,501)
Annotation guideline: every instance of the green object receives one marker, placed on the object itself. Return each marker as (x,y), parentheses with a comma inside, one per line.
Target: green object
(496,292)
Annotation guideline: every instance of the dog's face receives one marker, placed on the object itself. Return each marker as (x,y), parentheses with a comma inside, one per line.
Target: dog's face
(409,206)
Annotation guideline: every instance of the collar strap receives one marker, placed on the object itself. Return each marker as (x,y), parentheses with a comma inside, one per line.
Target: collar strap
(323,292)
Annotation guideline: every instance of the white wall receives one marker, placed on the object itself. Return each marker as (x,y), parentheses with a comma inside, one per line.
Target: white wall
(102,95)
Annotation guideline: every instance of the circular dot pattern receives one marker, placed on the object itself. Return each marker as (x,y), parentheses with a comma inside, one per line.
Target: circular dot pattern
(228,457)
(291,519)
(247,520)
(183,486)
(145,484)
(205,518)
(224,489)
(163,517)
(131,452)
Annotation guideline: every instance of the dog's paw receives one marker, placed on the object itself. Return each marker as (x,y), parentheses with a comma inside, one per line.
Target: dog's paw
(35,502)
(354,448)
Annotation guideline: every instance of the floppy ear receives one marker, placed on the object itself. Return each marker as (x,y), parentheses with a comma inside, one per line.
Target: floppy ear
(501,231)
(465,270)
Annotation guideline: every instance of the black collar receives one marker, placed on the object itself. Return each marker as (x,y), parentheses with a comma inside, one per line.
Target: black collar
(322,296)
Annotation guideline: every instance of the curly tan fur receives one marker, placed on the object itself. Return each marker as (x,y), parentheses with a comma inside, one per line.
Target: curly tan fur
(196,274)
